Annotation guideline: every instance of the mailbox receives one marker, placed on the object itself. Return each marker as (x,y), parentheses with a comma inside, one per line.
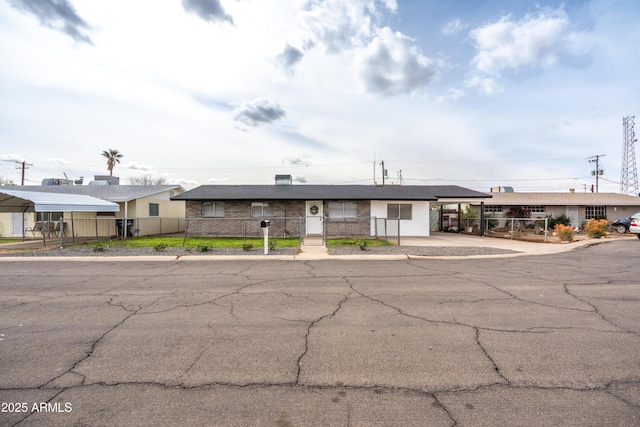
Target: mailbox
(264,224)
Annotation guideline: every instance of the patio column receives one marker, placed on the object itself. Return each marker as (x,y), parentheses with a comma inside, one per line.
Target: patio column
(459,217)
(482,219)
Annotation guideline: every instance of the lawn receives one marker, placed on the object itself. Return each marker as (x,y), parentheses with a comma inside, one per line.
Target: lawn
(212,242)
(234,242)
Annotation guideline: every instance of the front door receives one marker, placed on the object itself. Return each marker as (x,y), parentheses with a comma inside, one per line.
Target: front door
(18,223)
(314,218)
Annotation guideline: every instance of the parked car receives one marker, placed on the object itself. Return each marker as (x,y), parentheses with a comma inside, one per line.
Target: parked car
(621,225)
(634,225)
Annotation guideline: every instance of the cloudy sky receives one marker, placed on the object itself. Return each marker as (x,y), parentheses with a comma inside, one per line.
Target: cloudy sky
(477,93)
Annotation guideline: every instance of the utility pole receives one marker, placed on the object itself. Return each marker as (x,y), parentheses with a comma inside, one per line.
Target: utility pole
(597,172)
(23,165)
(384,172)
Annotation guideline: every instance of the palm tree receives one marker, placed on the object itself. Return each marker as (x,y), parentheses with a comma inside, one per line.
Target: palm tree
(113,157)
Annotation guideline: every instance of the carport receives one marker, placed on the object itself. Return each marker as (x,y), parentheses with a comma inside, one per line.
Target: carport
(17,201)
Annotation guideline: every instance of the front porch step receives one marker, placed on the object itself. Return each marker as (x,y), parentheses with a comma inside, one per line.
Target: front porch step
(313,250)
(310,241)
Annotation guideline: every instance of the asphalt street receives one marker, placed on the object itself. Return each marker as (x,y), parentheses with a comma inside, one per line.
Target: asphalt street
(542,340)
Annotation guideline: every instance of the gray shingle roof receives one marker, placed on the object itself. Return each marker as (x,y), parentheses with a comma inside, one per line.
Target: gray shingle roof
(112,193)
(329,192)
(562,199)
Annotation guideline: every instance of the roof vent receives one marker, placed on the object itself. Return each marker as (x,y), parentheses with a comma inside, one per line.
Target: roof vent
(284,180)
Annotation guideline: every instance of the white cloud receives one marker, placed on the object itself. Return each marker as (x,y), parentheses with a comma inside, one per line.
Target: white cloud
(535,41)
(136,166)
(485,85)
(391,64)
(11,158)
(454,27)
(56,161)
(216,180)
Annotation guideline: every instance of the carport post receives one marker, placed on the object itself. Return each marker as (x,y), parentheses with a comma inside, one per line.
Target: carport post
(459,215)
(482,224)
(61,228)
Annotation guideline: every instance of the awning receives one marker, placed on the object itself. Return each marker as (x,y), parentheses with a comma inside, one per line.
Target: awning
(33,201)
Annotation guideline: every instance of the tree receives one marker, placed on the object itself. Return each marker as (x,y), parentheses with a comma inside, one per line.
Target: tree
(6,181)
(147,180)
(113,157)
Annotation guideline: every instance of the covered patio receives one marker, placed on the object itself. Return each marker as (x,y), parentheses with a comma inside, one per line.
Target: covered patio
(16,201)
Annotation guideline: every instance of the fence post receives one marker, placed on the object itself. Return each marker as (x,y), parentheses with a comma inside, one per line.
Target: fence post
(546,230)
(301,231)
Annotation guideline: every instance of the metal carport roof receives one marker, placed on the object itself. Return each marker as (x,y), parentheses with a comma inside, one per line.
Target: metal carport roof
(33,201)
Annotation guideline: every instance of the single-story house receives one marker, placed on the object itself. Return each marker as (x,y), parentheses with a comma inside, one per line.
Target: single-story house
(578,207)
(320,210)
(148,209)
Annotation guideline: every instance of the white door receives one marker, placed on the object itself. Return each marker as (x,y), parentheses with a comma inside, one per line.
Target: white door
(17,224)
(572,214)
(314,217)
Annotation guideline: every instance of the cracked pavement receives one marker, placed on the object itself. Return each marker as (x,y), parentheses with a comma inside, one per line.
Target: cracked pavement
(541,340)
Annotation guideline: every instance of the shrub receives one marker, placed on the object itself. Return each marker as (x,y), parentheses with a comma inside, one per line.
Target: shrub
(202,247)
(596,227)
(99,247)
(272,244)
(492,221)
(247,246)
(160,246)
(565,232)
(562,219)
(363,245)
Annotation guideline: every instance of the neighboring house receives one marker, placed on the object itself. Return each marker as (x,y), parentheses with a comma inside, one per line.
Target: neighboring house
(147,208)
(319,210)
(578,207)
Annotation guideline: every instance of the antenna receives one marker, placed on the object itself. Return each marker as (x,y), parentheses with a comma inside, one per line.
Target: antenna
(629,173)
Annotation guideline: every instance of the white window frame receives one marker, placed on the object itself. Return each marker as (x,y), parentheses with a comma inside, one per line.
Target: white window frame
(596,211)
(212,209)
(536,209)
(261,209)
(492,209)
(343,210)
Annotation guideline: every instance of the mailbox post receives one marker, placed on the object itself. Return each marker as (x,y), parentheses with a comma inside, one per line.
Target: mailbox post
(265,232)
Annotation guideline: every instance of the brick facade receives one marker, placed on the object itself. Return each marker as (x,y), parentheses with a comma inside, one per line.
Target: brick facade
(288,220)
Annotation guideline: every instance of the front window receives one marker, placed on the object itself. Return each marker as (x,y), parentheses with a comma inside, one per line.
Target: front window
(595,212)
(535,209)
(343,210)
(261,209)
(212,209)
(492,209)
(399,210)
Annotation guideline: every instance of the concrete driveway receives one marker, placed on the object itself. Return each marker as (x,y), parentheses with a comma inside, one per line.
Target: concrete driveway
(541,341)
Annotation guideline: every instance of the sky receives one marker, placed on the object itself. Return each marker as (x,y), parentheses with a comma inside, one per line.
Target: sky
(476,93)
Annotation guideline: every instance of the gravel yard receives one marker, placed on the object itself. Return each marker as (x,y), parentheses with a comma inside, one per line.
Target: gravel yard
(79,251)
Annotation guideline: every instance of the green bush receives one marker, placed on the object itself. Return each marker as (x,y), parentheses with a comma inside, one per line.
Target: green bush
(99,247)
(160,246)
(562,219)
(247,246)
(363,245)
(272,244)
(202,247)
